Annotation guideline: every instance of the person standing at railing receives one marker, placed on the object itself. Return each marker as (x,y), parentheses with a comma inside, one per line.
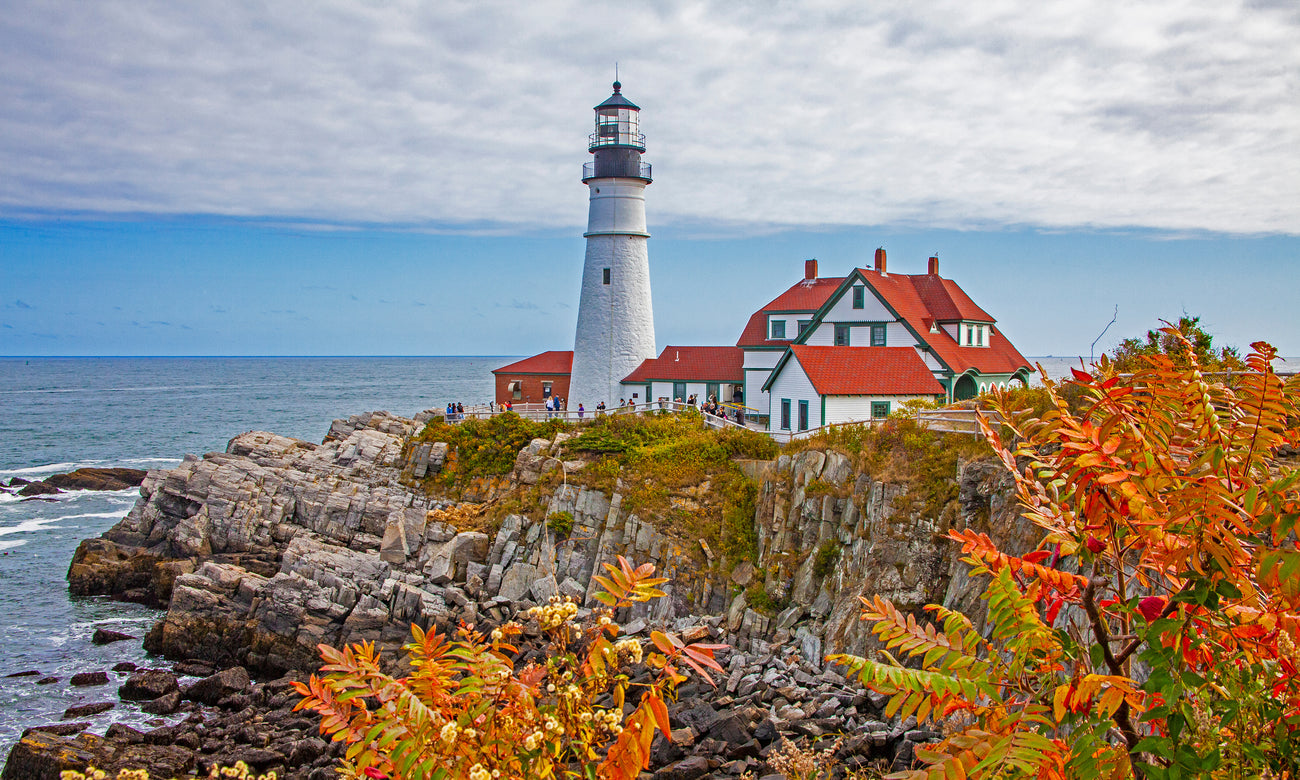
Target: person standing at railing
(580,411)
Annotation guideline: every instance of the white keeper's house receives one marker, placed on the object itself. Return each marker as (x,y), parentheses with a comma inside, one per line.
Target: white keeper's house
(834,350)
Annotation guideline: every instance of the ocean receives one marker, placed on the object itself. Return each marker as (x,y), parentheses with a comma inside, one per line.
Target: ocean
(58,414)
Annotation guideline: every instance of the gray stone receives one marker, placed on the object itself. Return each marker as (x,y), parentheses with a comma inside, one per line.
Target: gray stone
(86,710)
(148,685)
(212,689)
(89,678)
(517,581)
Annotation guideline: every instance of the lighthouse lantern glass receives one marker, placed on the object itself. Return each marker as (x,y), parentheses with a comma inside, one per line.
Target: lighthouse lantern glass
(617,126)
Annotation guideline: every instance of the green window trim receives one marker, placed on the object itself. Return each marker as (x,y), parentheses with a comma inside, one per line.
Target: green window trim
(803,415)
(842,332)
(785,414)
(878,335)
(859,297)
(879,409)
(803,325)
(777,329)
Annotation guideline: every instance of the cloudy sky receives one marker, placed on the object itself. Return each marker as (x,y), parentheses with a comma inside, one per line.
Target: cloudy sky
(402,178)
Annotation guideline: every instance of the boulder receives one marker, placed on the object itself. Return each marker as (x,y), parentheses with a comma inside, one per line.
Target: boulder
(104,636)
(163,705)
(97,479)
(86,710)
(211,690)
(148,685)
(89,678)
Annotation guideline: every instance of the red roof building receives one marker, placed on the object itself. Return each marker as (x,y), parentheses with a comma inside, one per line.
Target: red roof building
(917,324)
(534,379)
(680,372)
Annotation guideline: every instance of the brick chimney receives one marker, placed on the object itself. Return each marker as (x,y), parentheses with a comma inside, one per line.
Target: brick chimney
(810,269)
(933,270)
(880,260)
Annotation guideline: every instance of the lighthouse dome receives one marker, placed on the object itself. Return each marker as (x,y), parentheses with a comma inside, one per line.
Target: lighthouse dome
(617,123)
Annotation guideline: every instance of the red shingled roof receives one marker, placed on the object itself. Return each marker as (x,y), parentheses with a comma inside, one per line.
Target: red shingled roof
(552,362)
(947,301)
(923,299)
(692,364)
(866,370)
(806,295)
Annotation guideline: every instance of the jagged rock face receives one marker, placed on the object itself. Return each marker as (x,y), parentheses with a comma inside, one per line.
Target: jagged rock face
(265,551)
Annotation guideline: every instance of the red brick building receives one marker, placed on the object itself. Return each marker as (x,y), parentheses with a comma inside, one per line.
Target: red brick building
(534,379)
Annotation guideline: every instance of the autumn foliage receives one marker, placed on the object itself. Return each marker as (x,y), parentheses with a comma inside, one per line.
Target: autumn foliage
(466,713)
(1153,632)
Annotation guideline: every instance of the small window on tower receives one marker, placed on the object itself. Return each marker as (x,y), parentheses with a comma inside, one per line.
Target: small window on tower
(606,276)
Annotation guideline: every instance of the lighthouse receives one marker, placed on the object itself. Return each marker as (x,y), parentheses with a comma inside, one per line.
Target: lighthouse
(616,329)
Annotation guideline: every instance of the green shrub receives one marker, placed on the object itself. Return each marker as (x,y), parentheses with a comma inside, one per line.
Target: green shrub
(827,554)
(561,523)
(739,540)
(483,447)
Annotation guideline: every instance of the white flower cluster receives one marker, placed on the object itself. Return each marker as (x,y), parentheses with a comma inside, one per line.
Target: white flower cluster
(555,614)
(630,648)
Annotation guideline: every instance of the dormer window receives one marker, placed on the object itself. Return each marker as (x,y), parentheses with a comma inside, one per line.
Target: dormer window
(974,335)
(777,329)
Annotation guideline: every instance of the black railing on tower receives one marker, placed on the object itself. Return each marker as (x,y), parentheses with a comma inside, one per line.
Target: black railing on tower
(616,169)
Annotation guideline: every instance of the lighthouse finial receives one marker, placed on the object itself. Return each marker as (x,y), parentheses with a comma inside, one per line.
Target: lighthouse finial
(617,85)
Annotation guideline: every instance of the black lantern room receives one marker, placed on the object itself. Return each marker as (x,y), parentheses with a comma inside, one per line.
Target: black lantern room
(618,142)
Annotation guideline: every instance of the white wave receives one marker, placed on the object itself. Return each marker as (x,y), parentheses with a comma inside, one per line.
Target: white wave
(61,468)
(50,467)
(46,523)
(11,543)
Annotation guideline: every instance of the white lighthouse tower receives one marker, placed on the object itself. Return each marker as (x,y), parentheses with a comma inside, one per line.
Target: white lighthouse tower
(616,328)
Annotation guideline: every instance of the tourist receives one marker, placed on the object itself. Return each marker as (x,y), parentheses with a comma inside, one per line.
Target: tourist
(580,411)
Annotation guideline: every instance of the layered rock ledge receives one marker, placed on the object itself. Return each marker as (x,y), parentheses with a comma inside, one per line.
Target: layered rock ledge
(262,552)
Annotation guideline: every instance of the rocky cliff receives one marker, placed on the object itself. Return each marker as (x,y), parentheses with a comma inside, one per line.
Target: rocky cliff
(260,553)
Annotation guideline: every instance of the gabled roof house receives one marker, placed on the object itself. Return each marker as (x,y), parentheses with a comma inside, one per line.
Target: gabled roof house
(939,329)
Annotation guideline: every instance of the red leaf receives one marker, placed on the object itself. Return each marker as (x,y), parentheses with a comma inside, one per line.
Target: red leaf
(1151,607)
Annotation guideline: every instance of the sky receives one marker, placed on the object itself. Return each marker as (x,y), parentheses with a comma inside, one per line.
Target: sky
(359,178)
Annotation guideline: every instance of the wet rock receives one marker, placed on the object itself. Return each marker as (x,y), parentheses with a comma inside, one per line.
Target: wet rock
(125,666)
(124,733)
(193,668)
(26,673)
(86,710)
(148,685)
(37,489)
(61,729)
(97,479)
(211,690)
(163,705)
(89,678)
(48,680)
(104,636)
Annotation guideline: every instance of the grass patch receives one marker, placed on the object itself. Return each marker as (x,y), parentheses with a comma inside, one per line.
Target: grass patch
(902,451)
(481,447)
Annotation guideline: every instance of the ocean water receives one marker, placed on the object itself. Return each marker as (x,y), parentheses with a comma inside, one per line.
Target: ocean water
(57,414)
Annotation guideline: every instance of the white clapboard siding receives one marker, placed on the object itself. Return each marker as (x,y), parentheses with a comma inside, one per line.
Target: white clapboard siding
(793,383)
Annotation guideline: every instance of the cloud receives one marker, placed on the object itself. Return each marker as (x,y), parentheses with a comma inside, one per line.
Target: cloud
(21,304)
(521,305)
(1174,114)
(6,325)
